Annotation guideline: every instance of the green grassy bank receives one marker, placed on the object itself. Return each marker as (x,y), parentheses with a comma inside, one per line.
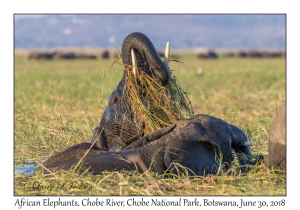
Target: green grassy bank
(58,104)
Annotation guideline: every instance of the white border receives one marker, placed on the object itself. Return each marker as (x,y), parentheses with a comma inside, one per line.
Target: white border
(6,72)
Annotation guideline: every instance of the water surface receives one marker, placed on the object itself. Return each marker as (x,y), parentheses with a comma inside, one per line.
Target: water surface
(27,169)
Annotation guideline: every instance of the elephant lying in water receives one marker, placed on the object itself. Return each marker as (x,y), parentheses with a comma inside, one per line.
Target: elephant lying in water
(203,144)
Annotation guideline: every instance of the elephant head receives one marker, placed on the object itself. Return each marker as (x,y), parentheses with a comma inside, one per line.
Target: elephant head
(120,125)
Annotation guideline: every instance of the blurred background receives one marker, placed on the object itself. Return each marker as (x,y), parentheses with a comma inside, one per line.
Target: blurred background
(184,32)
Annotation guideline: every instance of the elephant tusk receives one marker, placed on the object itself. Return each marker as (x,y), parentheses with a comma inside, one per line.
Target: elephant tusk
(248,143)
(134,62)
(167,55)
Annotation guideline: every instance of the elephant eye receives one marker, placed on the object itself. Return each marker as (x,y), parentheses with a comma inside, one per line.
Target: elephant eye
(115,100)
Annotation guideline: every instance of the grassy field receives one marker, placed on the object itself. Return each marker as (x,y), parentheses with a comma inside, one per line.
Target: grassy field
(58,104)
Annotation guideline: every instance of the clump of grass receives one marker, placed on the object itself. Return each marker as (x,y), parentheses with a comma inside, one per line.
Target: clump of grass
(152,104)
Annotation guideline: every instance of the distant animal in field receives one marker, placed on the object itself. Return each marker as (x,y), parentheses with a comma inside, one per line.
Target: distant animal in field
(41,55)
(261,54)
(64,55)
(255,54)
(105,55)
(58,54)
(207,54)
(242,54)
(201,145)
(86,56)
(273,54)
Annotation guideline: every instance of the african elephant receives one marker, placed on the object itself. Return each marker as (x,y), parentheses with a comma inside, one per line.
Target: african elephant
(277,140)
(203,144)
(117,120)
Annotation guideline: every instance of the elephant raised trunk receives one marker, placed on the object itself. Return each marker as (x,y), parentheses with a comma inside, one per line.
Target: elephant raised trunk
(121,125)
(146,56)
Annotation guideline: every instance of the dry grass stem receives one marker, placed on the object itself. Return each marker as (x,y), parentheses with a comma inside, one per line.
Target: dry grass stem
(44,167)
(85,154)
(151,103)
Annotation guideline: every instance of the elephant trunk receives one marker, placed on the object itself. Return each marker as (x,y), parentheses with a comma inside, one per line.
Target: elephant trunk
(146,55)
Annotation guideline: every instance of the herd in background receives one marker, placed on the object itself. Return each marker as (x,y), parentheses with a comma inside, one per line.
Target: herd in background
(106,54)
(242,54)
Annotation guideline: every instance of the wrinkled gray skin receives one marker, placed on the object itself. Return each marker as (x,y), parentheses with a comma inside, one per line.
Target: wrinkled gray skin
(119,131)
(277,140)
(195,143)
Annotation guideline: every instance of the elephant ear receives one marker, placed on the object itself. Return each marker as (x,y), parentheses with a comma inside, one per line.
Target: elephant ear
(197,158)
(137,46)
(150,137)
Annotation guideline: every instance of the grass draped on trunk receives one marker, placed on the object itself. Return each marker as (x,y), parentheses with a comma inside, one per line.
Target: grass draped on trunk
(155,105)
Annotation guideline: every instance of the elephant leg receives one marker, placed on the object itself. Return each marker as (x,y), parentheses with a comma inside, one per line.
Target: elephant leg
(201,157)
